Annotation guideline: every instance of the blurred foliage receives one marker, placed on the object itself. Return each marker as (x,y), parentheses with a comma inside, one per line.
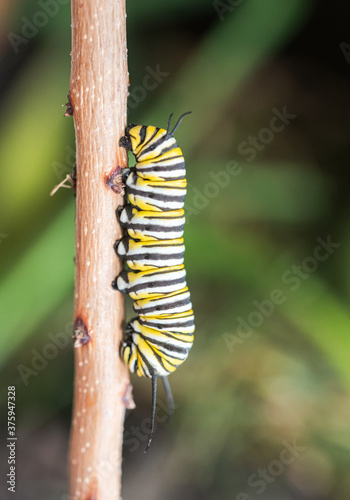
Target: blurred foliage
(252,221)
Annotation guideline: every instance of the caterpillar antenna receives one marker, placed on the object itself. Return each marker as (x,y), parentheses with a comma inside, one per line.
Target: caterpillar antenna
(170,117)
(169,395)
(180,120)
(154,401)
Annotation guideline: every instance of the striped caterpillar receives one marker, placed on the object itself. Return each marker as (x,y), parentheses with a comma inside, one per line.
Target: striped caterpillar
(159,338)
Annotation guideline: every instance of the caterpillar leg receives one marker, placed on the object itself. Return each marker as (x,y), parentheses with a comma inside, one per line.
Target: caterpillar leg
(121,282)
(125,142)
(125,174)
(114,285)
(119,211)
(169,395)
(121,247)
(124,215)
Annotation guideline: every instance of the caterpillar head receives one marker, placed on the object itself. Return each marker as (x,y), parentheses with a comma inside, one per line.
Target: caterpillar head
(125,141)
(138,137)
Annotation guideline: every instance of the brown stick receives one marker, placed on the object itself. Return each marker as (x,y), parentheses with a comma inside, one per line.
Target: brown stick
(98,92)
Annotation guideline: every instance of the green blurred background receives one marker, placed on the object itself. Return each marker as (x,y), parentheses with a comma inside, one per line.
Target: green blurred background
(264,408)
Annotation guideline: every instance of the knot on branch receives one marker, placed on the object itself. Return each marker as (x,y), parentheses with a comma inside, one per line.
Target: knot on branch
(128,399)
(81,335)
(114,180)
(69,106)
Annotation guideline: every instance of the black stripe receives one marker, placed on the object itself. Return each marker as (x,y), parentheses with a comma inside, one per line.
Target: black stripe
(151,138)
(160,185)
(157,216)
(156,244)
(132,212)
(144,359)
(153,145)
(170,347)
(181,300)
(165,271)
(150,184)
(167,168)
(167,178)
(172,335)
(166,150)
(127,347)
(169,335)
(154,227)
(165,217)
(153,257)
(158,308)
(142,133)
(124,275)
(169,327)
(156,196)
(179,178)
(147,287)
(171,158)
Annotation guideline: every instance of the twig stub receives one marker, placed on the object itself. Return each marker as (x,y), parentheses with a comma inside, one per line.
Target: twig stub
(114,180)
(69,106)
(81,335)
(98,88)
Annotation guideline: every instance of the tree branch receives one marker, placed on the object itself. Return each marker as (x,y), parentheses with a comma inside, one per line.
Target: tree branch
(98,93)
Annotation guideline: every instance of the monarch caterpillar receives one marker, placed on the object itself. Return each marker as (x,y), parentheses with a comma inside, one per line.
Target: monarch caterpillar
(158,340)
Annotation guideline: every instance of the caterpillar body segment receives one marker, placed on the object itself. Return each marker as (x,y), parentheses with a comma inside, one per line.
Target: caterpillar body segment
(150,254)
(149,225)
(151,283)
(161,349)
(155,196)
(169,305)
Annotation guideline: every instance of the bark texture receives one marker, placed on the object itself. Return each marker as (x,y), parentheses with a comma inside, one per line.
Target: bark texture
(98,93)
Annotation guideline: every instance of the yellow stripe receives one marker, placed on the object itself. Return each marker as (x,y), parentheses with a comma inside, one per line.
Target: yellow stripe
(180,183)
(149,132)
(174,214)
(184,314)
(142,205)
(134,134)
(134,276)
(153,155)
(148,302)
(138,245)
